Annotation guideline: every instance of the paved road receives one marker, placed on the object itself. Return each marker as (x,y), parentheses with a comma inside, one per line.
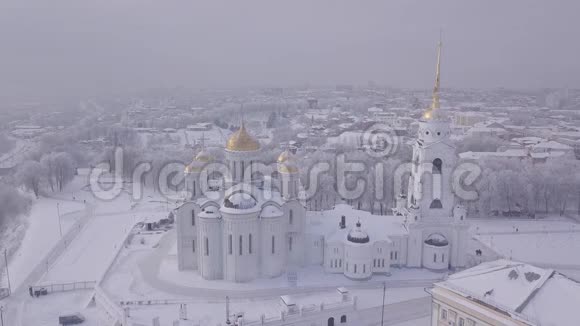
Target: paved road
(397,312)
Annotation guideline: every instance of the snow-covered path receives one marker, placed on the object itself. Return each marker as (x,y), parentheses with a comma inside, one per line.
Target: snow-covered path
(42,234)
(86,257)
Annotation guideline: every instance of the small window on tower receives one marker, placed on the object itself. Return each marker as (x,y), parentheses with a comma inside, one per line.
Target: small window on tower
(437,166)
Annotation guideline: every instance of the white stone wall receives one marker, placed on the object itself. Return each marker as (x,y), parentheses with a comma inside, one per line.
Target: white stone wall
(334,257)
(241,264)
(381,257)
(273,260)
(296,226)
(210,258)
(359,260)
(435,258)
(314,249)
(186,235)
(415,246)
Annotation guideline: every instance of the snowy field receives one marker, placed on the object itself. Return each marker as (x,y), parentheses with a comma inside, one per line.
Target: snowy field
(543,249)
(509,226)
(550,243)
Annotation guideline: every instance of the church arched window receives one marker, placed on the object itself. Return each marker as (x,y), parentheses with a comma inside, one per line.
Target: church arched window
(241,245)
(437,166)
(273,245)
(291,217)
(206,240)
(230,244)
(250,244)
(193,217)
(436,203)
(330,321)
(343,319)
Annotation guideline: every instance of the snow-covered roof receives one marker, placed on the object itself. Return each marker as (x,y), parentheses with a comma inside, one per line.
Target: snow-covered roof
(271,211)
(358,235)
(210,212)
(552,145)
(507,153)
(378,227)
(521,290)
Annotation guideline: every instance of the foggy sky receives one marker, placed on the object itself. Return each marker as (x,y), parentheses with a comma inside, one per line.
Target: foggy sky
(91,46)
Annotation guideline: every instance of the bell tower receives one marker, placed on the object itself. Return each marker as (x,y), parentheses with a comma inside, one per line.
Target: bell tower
(430,194)
(437,227)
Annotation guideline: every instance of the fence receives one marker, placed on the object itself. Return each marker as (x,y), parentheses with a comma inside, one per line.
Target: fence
(63,287)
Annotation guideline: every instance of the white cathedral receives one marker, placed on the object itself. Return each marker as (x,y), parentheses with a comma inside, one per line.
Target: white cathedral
(245,232)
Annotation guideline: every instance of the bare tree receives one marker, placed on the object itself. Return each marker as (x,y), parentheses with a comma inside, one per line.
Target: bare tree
(29,175)
(12,203)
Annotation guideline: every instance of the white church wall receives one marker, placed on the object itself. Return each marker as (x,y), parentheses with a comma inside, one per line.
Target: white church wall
(186,235)
(435,257)
(359,260)
(334,257)
(210,253)
(296,218)
(314,249)
(381,256)
(241,238)
(273,251)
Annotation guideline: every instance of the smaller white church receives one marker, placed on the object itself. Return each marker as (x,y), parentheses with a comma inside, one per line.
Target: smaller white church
(250,232)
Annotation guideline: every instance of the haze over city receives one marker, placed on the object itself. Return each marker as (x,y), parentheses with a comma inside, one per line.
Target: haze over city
(63,47)
(289,163)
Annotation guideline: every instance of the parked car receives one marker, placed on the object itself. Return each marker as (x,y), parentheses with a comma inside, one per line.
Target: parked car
(71,319)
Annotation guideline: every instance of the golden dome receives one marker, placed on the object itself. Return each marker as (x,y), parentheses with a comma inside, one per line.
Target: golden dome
(203,156)
(285,168)
(284,156)
(286,163)
(192,168)
(199,161)
(242,141)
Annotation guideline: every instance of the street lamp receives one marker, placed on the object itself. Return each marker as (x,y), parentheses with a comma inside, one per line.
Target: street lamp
(59,224)
(383,306)
(7,272)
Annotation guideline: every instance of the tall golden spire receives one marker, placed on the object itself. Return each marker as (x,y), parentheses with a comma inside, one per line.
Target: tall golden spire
(435,102)
(435,97)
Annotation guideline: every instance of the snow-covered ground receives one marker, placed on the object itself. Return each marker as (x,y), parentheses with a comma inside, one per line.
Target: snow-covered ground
(509,226)
(146,266)
(542,249)
(41,233)
(551,243)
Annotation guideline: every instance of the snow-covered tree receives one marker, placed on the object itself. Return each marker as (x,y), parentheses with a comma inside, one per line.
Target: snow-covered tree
(30,175)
